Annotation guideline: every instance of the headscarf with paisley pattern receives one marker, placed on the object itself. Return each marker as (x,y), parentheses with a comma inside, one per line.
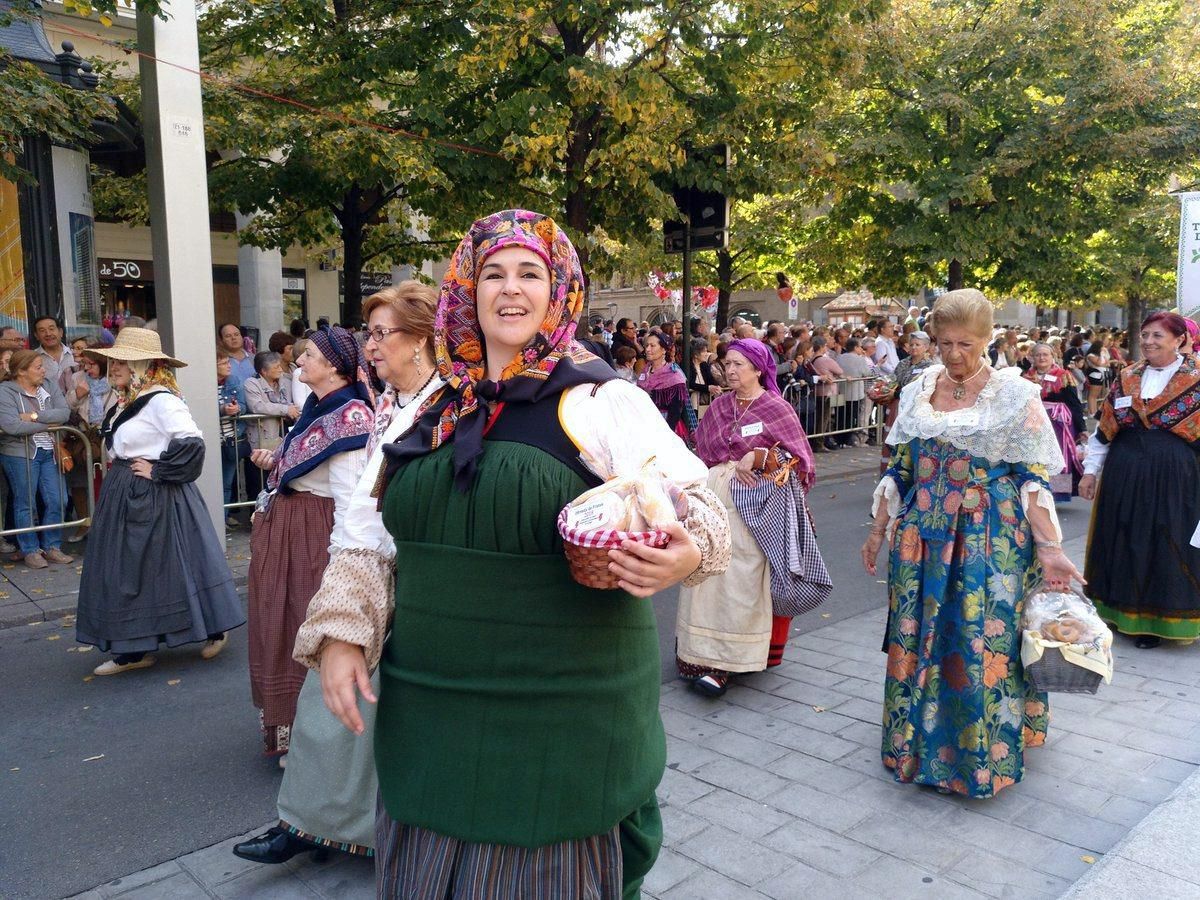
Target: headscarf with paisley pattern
(550,363)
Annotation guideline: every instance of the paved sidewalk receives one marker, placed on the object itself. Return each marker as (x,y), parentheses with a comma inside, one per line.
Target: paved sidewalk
(776,790)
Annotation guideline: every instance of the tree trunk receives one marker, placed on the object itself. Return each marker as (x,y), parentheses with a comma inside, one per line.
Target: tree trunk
(955,279)
(353,235)
(724,287)
(1135,311)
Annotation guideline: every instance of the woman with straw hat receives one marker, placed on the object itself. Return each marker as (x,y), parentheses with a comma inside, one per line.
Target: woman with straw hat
(154,571)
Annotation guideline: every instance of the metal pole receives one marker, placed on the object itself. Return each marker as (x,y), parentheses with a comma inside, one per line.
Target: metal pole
(687,288)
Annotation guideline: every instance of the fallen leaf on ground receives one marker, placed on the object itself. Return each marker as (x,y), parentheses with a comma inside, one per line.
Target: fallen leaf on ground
(1088,859)
(3,595)
(173,681)
(818,709)
(54,637)
(94,758)
(72,649)
(826,615)
(36,591)
(88,677)
(85,649)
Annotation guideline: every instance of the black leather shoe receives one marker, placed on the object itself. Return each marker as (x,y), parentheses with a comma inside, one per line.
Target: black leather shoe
(273,846)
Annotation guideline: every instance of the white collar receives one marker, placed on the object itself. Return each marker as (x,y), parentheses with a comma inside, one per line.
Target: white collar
(1172,367)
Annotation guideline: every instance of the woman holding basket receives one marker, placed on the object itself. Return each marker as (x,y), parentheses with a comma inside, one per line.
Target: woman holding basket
(496,657)
(966,500)
(760,466)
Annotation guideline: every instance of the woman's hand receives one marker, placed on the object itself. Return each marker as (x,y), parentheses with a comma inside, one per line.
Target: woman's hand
(647,570)
(745,470)
(1058,571)
(343,670)
(142,468)
(82,390)
(264,459)
(870,551)
(1087,487)
(230,408)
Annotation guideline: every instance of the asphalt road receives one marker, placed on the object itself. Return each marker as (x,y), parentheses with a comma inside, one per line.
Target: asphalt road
(103,778)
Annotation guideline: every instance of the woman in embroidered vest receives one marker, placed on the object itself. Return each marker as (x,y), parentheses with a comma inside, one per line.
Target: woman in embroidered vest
(517,738)
(327,799)
(1065,410)
(973,525)
(154,571)
(301,517)
(760,466)
(1142,571)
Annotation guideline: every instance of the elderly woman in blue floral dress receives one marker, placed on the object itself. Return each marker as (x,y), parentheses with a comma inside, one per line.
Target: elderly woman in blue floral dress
(972,526)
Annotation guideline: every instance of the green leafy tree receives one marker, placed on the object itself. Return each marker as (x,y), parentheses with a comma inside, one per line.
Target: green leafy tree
(976,123)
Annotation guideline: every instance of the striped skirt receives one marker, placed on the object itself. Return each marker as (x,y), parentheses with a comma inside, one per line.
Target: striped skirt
(289,550)
(415,863)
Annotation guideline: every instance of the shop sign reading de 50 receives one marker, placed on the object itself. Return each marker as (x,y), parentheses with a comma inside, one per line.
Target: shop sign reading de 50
(126,269)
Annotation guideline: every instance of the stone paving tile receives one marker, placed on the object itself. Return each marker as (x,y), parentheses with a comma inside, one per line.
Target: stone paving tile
(1124,811)
(1000,877)
(734,856)
(124,885)
(1131,879)
(816,773)
(263,883)
(746,817)
(348,879)
(818,717)
(821,849)
(928,846)
(799,671)
(814,743)
(1108,753)
(802,882)
(709,885)
(681,824)
(669,870)
(741,779)
(897,879)
(1094,835)
(680,788)
(742,747)
(828,811)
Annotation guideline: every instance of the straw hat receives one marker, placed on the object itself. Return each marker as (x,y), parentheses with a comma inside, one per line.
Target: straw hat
(137,344)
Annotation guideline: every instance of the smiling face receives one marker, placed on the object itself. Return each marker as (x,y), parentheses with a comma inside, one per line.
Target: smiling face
(1159,345)
(1043,359)
(48,334)
(395,356)
(961,351)
(511,297)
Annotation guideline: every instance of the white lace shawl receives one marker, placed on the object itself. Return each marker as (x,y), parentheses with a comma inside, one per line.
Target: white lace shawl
(1008,422)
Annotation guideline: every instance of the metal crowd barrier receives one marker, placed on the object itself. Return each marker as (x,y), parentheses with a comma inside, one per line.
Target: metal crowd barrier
(241,498)
(870,416)
(56,432)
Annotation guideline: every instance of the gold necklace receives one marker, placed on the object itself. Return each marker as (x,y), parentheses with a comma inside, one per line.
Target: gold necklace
(961,390)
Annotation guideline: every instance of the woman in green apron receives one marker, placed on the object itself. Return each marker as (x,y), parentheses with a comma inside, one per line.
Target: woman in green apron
(517,739)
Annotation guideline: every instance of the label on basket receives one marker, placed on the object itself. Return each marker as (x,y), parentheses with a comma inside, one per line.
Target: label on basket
(752,429)
(588,516)
(1123,403)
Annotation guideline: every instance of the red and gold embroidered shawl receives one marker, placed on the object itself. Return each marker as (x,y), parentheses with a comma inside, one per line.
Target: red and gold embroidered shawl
(1176,409)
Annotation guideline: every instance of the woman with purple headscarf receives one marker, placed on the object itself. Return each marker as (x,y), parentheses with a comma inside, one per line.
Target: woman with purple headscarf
(302,512)
(761,467)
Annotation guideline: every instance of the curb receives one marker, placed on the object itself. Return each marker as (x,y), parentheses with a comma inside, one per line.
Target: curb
(1152,860)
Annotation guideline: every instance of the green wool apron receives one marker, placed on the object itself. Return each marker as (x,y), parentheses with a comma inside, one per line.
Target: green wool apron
(516,706)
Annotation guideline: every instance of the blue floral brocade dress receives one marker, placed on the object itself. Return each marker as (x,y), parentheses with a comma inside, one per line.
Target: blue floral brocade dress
(958,711)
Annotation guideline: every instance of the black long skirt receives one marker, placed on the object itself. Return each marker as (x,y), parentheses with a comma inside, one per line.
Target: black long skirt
(1141,570)
(154,571)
